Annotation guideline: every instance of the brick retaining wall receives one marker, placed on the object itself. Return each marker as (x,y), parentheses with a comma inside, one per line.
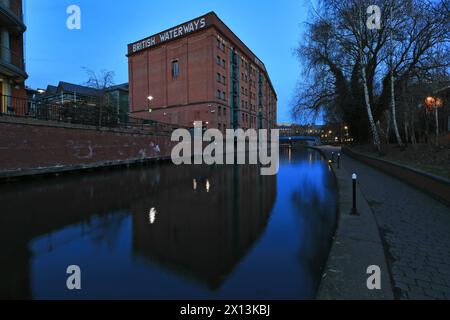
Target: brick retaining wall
(29,146)
(437,187)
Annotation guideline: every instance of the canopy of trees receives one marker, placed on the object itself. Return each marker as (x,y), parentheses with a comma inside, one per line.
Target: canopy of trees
(372,78)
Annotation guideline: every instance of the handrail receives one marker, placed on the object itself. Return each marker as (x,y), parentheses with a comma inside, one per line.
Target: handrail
(78,113)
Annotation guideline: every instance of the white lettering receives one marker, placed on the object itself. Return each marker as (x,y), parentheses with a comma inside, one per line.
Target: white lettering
(374,20)
(171,34)
(374,281)
(202,23)
(74,281)
(74,20)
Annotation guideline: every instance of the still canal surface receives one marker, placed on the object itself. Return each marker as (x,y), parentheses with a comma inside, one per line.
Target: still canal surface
(167,232)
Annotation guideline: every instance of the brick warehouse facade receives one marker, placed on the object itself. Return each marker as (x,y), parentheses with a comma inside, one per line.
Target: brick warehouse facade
(200,71)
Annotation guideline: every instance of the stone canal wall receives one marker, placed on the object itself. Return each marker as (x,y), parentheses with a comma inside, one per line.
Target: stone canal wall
(31,147)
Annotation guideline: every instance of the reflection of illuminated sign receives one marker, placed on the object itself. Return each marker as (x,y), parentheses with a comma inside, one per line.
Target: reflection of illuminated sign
(168,35)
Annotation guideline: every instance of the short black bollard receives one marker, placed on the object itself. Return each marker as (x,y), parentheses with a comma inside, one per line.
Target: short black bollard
(339,160)
(332,157)
(354,210)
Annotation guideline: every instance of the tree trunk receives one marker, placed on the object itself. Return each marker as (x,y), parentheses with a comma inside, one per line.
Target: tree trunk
(394,112)
(373,127)
(413,132)
(393,106)
(436,116)
(406,128)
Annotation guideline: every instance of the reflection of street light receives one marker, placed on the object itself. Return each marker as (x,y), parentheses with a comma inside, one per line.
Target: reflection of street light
(435,103)
(152,215)
(149,100)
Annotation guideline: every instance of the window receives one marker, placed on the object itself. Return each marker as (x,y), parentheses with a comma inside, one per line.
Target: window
(223,63)
(223,80)
(175,69)
(218,60)
(224,97)
(218,43)
(218,77)
(218,94)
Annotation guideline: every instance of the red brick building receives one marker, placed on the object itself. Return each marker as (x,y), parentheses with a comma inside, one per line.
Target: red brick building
(12,65)
(200,71)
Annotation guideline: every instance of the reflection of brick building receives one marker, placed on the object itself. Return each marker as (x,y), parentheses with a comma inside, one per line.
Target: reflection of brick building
(200,71)
(208,223)
(12,65)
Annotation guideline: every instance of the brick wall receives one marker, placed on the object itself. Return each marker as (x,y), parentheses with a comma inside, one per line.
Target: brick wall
(27,146)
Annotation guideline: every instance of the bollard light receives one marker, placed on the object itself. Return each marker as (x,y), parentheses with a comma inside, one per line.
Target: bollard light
(354,179)
(339,161)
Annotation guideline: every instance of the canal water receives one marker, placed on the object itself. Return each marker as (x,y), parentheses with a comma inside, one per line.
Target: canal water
(168,232)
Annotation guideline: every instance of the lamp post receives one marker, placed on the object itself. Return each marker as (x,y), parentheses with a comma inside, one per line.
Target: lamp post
(149,103)
(435,103)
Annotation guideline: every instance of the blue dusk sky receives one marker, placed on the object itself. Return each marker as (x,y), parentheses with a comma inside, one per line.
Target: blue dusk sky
(271,29)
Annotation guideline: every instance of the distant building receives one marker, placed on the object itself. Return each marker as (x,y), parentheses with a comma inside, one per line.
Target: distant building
(200,71)
(65,93)
(12,64)
(71,93)
(300,130)
(119,98)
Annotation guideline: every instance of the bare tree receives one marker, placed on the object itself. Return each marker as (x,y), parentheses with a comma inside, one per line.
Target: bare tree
(101,82)
(356,74)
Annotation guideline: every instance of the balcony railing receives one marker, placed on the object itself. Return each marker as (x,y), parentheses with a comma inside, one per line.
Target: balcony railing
(13,10)
(82,114)
(11,57)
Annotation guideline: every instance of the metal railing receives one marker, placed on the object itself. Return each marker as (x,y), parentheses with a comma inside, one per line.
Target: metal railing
(76,113)
(12,57)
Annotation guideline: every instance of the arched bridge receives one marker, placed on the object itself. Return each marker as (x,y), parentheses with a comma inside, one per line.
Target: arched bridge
(311,140)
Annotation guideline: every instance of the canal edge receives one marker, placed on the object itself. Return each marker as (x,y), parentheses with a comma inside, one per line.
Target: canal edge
(356,246)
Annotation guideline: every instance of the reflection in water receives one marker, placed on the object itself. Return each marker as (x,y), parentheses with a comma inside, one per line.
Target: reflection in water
(167,232)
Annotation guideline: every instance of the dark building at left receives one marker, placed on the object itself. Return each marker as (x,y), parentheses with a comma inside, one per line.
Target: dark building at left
(12,63)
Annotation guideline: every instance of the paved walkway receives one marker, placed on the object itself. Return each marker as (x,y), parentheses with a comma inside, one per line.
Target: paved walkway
(415,230)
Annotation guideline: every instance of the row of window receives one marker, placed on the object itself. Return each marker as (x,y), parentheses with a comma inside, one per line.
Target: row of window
(245,93)
(220,44)
(220,113)
(221,79)
(221,95)
(220,62)
(248,66)
(245,105)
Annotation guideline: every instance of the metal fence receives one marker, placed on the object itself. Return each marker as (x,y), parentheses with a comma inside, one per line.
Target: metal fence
(76,113)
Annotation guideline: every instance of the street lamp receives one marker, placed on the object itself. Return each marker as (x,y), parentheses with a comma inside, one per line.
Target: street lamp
(435,103)
(149,102)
